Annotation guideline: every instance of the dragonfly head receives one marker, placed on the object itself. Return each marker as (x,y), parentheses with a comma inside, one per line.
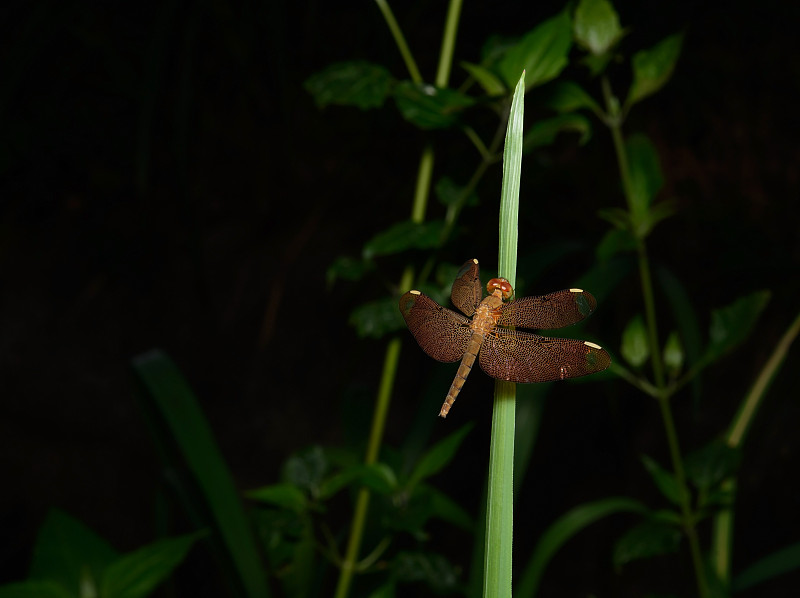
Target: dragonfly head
(502,285)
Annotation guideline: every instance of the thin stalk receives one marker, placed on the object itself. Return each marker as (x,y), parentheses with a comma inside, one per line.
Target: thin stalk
(400,40)
(722,536)
(614,121)
(383,399)
(392,356)
(500,497)
(686,508)
(448,44)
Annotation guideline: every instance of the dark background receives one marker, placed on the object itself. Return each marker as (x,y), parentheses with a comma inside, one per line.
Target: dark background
(165,181)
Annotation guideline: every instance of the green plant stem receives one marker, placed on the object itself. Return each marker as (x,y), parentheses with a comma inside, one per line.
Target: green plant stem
(348,564)
(392,356)
(400,40)
(448,43)
(722,535)
(614,121)
(500,496)
(686,508)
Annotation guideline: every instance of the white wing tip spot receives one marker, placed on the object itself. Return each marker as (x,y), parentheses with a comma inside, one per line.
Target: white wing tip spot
(576,290)
(415,292)
(592,345)
(474,261)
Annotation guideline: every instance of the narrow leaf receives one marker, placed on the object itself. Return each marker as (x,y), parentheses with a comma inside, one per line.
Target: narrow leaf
(771,566)
(731,324)
(663,479)
(437,457)
(652,68)
(542,53)
(357,83)
(490,83)
(170,400)
(567,526)
(596,26)
(138,573)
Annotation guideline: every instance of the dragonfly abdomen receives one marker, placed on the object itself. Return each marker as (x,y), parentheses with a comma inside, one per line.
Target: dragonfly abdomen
(464,368)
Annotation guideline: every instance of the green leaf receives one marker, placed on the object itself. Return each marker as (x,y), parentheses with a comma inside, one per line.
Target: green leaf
(403,236)
(387,590)
(356,83)
(658,212)
(673,354)
(544,132)
(564,528)
(186,441)
(566,96)
(596,26)
(613,242)
(307,469)
(69,553)
(769,567)
(648,539)
(449,193)
(378,477)
(490,83)
(709,465)
(284,496)
(733,323)
(348,268)
(437,457)
(616,216)
(433,570)
(541,53)
(635,348)
(35,589)
(430,107)
(446,509)
(137,573)
(652,68)
(645,178)
(377,318)
(663,479)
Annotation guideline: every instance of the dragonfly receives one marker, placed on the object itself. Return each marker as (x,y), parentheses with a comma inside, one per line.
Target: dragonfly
(487,332)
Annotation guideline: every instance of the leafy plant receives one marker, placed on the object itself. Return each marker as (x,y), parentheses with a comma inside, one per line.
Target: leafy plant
(71,561)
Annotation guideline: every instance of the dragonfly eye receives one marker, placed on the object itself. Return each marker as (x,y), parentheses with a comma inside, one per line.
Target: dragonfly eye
(500,283)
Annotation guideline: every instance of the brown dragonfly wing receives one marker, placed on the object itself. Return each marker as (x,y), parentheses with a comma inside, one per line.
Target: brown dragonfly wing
(442,333)
(520,356)
(553,310)
(467,289)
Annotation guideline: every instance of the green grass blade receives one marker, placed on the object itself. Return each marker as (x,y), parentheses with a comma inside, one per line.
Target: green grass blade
(777,563)
(180,424)
(562,530)
(500,498)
